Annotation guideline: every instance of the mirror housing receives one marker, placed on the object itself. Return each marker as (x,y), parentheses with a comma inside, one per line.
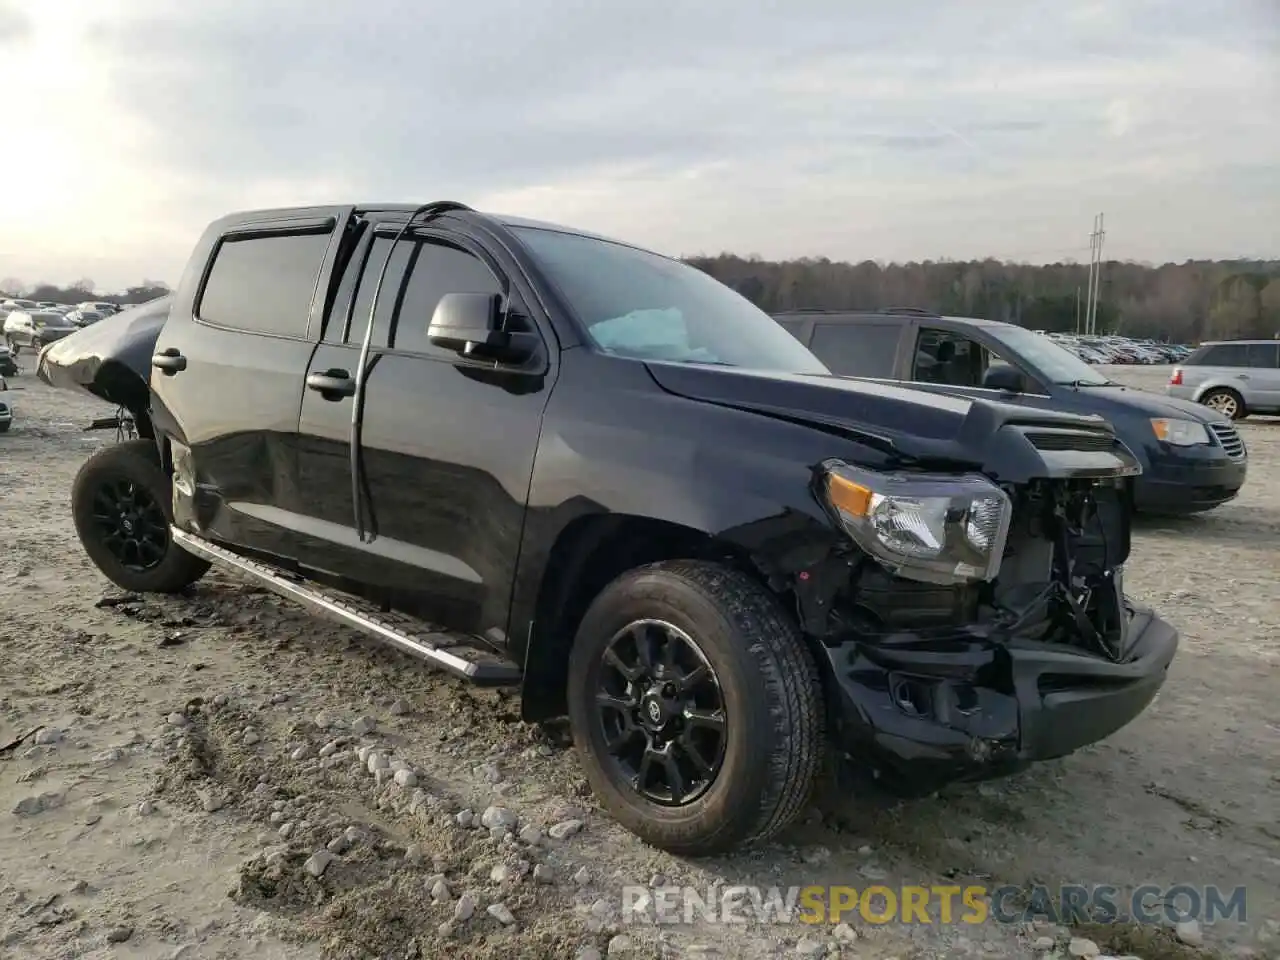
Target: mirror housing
(470,324)
(1006,378)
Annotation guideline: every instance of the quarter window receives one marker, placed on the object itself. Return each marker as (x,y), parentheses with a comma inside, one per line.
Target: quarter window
(1262,355)
(857,349)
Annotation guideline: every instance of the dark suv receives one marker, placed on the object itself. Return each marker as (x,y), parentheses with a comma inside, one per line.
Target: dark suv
(536,457)
(1192,457)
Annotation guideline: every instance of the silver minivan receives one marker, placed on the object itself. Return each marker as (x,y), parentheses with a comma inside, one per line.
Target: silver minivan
(1234,377)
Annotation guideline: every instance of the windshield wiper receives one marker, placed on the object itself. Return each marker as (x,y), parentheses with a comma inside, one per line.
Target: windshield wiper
(1092,383)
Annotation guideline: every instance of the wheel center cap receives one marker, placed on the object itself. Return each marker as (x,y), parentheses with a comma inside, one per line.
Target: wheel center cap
(654,711)
(126,525)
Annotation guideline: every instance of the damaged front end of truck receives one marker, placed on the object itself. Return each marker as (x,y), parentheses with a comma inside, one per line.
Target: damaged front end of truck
(974,624)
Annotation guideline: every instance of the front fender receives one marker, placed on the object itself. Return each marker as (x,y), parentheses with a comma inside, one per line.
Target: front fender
(614,443)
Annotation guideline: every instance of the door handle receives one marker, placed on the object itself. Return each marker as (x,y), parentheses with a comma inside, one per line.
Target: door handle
(332,384)
(169,361)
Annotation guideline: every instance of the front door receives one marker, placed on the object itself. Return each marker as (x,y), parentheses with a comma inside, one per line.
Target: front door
(446,444)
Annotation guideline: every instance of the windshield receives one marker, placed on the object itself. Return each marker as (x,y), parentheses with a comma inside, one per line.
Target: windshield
(1047,360)
(647,307)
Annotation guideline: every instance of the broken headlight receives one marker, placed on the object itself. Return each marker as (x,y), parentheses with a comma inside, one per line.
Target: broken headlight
(938,528)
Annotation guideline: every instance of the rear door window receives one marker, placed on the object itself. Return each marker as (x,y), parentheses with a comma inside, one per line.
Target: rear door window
(1221,355)
(857,349)
(264,284)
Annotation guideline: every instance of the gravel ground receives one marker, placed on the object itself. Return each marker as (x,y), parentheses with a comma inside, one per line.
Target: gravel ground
(200,786)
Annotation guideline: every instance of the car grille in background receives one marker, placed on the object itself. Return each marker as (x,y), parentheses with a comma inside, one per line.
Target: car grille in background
(1230,440)
(1070,440)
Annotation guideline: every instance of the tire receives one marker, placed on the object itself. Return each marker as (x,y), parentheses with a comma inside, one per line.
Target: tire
(130,471)
(4,425)
(1226,401)
(772,738)
(37,345)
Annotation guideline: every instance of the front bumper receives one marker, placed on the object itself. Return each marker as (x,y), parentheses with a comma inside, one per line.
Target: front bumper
(1186,485)
(971,704)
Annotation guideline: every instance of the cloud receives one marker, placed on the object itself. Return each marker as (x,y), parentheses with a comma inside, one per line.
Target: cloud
(921,129)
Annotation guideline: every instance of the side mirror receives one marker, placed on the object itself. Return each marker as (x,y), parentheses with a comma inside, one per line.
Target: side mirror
(471,324)
(1006,378)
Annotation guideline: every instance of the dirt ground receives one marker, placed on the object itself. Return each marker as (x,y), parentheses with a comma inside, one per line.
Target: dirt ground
(194,753)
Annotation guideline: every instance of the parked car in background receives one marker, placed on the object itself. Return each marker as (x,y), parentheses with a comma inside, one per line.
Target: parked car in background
(6,408)
(34,328)
(8,306)
(103,308)
(1192,457)
(8,365)
(1117,349)
(1234,377)
(83,318)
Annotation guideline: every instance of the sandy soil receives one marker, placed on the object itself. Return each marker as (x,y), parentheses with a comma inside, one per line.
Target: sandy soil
(176,792)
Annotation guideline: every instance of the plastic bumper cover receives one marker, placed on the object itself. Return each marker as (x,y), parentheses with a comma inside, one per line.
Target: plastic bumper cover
(972,704)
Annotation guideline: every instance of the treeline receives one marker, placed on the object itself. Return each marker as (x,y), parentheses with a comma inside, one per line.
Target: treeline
(83,290)
(1181,302)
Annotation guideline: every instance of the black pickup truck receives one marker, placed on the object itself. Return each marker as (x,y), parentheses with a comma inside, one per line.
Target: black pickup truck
(533,456)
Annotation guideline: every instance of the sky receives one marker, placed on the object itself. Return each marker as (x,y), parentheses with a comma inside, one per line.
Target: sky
(909,130)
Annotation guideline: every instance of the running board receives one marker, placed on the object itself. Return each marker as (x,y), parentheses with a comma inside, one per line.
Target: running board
(454,653)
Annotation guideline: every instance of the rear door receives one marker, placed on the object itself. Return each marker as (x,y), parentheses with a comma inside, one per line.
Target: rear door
(229,370)
(328,539)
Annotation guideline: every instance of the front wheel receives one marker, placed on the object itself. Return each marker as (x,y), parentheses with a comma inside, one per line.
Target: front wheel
(122,507)
(696,707)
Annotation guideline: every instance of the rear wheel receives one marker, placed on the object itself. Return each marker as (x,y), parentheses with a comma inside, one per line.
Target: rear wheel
(36,344)
(1226,401)
(696,707)
(121,504)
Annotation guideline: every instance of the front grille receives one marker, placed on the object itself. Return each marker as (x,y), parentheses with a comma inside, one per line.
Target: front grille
(1070,440)
(1229,439)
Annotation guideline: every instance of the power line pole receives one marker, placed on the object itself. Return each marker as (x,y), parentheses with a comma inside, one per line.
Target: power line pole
(1095,275)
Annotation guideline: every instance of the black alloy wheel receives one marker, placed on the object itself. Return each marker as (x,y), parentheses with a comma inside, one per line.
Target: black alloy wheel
(662,712)
(131,524)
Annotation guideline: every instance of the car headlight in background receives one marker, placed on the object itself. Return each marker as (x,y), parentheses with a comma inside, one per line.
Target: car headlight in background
(1180,433)
(929,527)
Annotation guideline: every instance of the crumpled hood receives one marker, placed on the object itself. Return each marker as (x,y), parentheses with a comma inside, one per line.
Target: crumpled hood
(917,425)
(77,361)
